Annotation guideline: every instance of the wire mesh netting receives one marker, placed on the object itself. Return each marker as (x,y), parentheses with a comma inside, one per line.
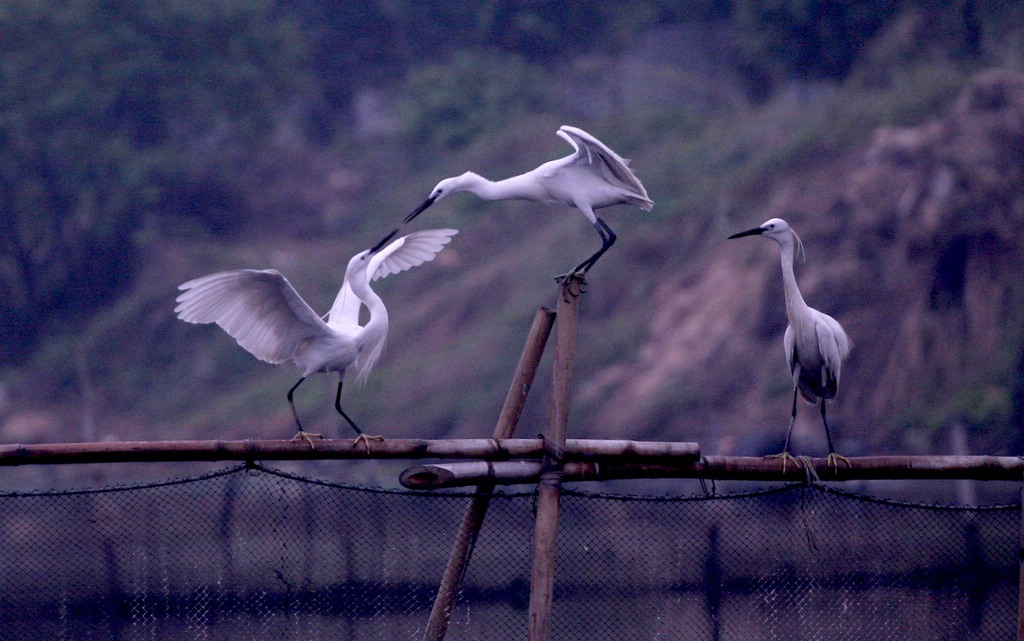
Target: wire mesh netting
(262,554)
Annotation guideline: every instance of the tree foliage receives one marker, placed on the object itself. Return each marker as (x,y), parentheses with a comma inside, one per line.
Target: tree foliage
(114,115)
(94,99)
(809,38)
(445,106)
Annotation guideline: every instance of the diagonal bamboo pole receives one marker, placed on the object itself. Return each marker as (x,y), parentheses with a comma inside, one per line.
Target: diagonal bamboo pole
(473,518)
(549,489)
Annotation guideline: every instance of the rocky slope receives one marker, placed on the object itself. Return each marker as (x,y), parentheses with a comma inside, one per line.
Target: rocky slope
(914,242)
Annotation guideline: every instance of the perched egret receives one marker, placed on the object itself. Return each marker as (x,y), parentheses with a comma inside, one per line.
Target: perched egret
(815,343)
(592,177)
(268,318)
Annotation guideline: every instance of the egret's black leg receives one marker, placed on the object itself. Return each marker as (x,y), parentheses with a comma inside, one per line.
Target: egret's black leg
(785,455)
(301,434)
(824,422)
(360,436)
(337,406)
(792,422)
(833,458)
(608,238)
(291,402)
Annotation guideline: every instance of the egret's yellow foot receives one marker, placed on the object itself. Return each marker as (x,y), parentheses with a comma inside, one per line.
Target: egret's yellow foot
(308,437)
(366,438)
(566,277)
(786,457)
(565,280)
(833,460)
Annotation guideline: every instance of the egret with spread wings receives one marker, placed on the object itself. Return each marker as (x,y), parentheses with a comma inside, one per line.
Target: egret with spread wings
(266,316)
(590,178)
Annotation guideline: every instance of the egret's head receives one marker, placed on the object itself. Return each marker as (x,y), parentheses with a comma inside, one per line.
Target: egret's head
(358,262)
(453,185)
(776,229)
(446,187)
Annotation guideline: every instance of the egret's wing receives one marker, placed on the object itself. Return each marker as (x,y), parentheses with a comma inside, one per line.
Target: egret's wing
(787,344)
(399,255)
(409,251)
(615,169)
(834,347)
(832,340)
(259,309)
(843,342)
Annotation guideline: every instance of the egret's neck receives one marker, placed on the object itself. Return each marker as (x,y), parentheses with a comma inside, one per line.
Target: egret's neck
(507,189)
(794,301)
(376,327)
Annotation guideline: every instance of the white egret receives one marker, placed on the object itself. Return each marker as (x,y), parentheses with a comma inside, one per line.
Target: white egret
(267,317)
(815,343)
(592,177)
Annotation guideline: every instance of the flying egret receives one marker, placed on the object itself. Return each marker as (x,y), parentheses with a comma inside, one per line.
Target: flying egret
(590,178)
(268,318)
(815,343)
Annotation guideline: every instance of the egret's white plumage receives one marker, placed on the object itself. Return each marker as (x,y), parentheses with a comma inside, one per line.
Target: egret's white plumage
(592,177)
(266,316)
(816,344)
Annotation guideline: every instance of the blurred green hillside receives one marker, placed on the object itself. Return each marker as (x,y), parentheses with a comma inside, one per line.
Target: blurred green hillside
(150,143)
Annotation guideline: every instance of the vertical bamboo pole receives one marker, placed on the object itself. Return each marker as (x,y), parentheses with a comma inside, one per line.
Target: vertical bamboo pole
(549,489)
(473,518)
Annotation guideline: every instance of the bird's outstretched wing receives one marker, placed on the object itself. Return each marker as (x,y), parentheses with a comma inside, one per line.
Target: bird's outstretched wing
(614,168)
(399,255)
(409,251)
(259,309)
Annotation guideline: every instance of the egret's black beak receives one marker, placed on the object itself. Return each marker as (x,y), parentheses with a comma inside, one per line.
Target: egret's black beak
(750,232)
(419,210)
(376,248)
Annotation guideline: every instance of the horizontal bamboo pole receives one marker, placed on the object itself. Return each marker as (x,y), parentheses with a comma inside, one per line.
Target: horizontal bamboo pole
(735,468)
(289,450)
(616,459)
(438,476)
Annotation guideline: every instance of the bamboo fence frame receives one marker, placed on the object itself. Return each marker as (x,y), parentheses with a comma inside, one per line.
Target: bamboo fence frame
(545,462)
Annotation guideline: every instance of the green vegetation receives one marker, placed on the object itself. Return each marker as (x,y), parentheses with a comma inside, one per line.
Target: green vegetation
(808,38)
(141,144)
(99,105)
(448,105)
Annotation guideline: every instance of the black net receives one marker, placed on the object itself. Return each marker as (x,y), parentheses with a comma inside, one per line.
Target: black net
(261,554)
